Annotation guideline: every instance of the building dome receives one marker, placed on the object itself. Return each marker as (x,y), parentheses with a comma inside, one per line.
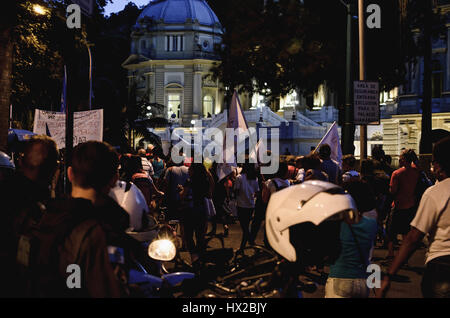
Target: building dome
(180,12)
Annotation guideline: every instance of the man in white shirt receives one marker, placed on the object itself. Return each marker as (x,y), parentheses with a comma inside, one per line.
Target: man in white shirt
(432,218)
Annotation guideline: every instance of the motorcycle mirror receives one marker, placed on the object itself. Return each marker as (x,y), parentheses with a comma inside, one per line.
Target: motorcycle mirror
(162,250)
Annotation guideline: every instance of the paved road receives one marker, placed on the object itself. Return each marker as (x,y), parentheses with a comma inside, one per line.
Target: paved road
(406,286)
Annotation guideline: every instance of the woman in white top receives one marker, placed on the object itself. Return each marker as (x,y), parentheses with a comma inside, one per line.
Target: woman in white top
(246,186)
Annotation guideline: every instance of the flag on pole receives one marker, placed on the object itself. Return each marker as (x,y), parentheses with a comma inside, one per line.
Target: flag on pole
(254,155)
(64,92)
(332,139)
(236,119)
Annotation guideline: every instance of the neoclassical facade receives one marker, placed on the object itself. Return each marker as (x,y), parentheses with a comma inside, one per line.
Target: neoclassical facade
(172,53)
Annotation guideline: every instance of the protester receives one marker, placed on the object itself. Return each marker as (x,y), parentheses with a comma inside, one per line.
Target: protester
(221,195)
(313,167)
(330,166)
(84,227)
(146,165)
(292,169)
(402,188)
(246,187)
(174,176)
(348,167)
(432,219)
(279,182)
(260,212)
(159,166)
(25,197)
(300,165)
(133,172)
(198,187)
(348,274)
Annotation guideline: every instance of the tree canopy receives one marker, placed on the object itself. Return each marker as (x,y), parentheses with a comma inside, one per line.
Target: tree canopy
(287,44)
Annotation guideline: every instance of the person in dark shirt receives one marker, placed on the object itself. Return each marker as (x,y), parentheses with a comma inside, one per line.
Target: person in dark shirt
(329,166)
(25,197)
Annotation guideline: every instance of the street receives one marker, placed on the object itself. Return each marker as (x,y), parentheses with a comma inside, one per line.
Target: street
(406,284)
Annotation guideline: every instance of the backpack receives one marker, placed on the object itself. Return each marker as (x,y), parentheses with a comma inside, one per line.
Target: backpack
(39,253)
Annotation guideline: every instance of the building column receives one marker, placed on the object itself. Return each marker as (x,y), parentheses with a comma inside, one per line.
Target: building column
(151,86)
(197,96)
(447,79)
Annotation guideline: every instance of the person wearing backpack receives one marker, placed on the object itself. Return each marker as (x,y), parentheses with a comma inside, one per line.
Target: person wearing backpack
(83,231)
(25,197)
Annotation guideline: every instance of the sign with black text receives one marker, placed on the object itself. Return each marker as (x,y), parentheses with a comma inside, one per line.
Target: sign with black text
(366,103)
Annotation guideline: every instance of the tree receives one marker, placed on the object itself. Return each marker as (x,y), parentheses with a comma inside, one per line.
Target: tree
(291,44)
(7,22)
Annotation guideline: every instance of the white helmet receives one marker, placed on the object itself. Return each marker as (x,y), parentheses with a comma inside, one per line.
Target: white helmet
(309,202)
(5,161)
(131,199)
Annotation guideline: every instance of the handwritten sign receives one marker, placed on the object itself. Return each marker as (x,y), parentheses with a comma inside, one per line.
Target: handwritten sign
(366,103)
(87,125)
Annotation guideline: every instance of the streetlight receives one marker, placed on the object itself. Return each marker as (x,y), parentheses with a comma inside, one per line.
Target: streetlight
(40,10)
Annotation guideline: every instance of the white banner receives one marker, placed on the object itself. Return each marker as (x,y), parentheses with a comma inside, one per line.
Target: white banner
(87,125)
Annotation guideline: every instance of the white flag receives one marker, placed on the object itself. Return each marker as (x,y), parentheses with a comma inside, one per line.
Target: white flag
(236,120)
(332,139)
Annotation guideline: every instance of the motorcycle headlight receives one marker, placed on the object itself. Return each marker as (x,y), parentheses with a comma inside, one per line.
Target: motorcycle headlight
(162,250)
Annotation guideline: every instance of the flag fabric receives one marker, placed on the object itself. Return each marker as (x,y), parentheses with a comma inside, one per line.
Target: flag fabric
(332,139)
(236,119)
(64,92)
(254,154)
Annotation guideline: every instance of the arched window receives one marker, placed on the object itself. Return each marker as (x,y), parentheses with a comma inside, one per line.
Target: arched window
(208,105)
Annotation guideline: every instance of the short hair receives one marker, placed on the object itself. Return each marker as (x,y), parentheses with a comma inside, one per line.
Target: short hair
(441,154)
(40,152)
(409,155)
(94,164)
(349,160)
(325,151)
(141,152)
(312,161)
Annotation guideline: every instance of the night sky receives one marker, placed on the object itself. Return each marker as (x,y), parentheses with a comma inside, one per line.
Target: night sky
(118,5)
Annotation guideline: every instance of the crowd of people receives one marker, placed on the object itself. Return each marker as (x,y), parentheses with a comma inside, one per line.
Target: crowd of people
(80,226)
